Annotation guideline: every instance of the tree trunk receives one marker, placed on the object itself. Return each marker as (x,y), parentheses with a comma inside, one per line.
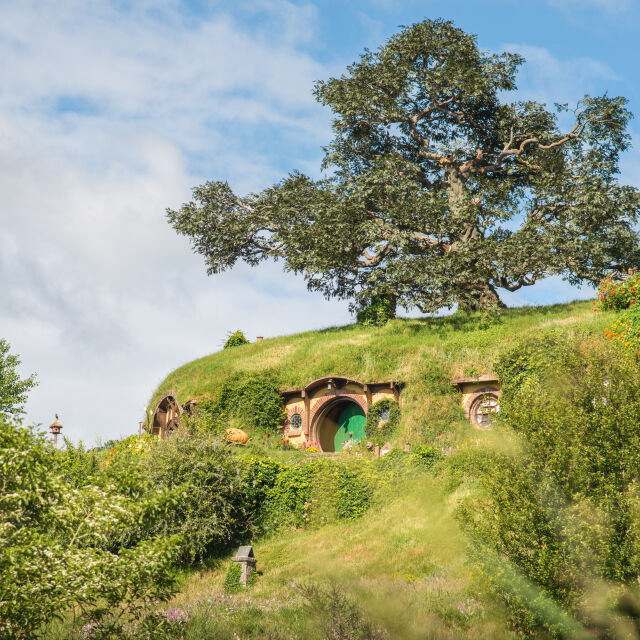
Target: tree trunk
(479,296)
(475,295)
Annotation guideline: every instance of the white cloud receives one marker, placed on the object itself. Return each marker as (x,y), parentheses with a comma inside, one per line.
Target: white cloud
(546,78)
(107,117)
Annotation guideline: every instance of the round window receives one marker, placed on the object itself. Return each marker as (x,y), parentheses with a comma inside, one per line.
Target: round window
(484,409)
(296,421)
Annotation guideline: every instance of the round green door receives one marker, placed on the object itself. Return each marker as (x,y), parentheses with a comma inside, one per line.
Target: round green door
(350,426)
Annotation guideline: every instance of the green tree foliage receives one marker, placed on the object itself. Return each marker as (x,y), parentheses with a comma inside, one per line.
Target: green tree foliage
(235,339)
(58,552)
(561,506)
(13,389)
(439,191)
(378,311)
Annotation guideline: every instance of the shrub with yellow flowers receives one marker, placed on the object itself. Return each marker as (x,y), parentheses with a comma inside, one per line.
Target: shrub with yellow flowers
(133,445)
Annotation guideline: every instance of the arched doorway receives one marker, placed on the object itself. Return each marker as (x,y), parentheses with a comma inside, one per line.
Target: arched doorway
(165,417)
(341,422)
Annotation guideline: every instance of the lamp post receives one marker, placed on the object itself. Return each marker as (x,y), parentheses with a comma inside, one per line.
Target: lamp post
(55,427)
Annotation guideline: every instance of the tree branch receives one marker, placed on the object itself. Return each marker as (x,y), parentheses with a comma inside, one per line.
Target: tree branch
(374,260)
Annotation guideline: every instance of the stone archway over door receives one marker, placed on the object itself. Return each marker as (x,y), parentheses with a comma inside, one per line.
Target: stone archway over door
(317,403)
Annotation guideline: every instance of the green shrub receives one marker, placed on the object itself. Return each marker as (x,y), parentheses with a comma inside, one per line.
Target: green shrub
(536,358)
(57,553)
(232,579)
(378,312)
(201,493)
(76,465)
(426,456)
(260,474)
(353,493)
(381,431)
(235,339)
(315,492)
(559,511)
(288,501)
(252,401)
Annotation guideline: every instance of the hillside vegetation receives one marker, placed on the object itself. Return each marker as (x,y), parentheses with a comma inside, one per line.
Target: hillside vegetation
(529,529)
(424,354)
(523,530)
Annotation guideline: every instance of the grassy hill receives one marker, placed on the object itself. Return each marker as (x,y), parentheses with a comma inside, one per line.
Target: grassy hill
(405,561)
(424,354)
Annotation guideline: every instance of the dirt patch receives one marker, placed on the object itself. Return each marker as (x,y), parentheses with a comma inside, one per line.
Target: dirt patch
(562,321)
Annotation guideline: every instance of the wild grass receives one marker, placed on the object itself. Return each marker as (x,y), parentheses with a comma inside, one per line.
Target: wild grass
(403,563)
(423,354)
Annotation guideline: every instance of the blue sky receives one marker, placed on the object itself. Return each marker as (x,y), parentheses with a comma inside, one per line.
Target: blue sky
(111,111)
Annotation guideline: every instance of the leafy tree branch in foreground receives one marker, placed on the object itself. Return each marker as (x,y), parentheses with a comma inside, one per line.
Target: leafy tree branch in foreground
(437,191)
(13,388)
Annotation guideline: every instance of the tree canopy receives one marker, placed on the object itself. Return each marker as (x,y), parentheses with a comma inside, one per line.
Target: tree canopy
(436,189)
(13,389)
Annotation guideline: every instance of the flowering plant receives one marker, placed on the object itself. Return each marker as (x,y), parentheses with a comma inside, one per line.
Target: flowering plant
(626,331)
(133,445)
(619,294)
(277,442)
(623,296)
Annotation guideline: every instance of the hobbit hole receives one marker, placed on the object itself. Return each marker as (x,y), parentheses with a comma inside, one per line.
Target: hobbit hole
(480,399)
(330,413)
(166,416)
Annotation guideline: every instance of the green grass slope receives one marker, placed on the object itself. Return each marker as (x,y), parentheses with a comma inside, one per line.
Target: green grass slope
(405,560)
(424,354)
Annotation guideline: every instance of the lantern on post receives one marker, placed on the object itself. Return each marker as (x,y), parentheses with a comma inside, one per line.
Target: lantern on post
(55,427)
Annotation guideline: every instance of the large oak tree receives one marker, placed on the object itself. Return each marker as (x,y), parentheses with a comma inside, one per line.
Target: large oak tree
(437,190)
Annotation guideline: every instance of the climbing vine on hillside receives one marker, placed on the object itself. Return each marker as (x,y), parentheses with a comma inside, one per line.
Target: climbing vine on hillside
(252,402)
(382,420)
